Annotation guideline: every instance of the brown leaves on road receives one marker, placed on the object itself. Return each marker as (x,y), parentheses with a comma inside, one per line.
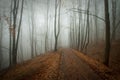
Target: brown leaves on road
(65,64)
(98,67)
(39,68)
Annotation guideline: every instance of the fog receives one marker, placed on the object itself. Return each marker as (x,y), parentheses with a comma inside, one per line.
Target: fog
(37,34)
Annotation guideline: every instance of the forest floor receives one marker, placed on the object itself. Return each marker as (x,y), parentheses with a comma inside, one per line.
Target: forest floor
(97,53)
(65,64)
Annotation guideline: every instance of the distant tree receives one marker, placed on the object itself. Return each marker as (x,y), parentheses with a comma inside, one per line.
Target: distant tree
(79,27)
(71,39)
(10,33)
(107,35)
(74,27)
(115,22)
(113,19)
(21,47)
(87,26)
(86,38)
(55,34)
(46,34)
(32,31)
(84,32)
(1,34)
(96,21)
(80,33)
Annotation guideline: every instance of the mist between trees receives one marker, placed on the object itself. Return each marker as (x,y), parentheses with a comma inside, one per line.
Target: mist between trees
(29,28)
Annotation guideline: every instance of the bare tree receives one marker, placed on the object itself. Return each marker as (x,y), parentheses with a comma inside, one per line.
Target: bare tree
(74,28)
(79,27)
(55,34)
(1,34)
(86,39)
(32,29)
(107,36)
(88,25)
(19,26)
(57,27)
(96,21)
(46,35)
(115,22)
(113,19)
(14,38)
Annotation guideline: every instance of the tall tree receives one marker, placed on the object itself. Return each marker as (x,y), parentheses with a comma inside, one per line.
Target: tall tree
(86,38)
(88,26)
(57,25)
(32,30)
(96,21)
(14,38)
(107,36)
(79,14)
(19,25)
(115,21)
(47,18)
(1,34)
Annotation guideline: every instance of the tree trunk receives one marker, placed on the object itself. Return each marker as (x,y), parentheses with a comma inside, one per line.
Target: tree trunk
(107,36)
(113,20)
(57,26)
(55,30)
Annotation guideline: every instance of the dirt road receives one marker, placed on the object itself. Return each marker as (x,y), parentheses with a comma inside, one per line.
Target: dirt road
(73,68)
(63,65)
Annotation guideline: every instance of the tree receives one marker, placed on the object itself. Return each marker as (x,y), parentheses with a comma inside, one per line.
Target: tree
(78,45)
(87,26)
(86,37)
(107,34)
(19,25)
(46,35)
(96,26)
(1,34)
(14,38)
(74,27)
(113,19)
(57,26)
(115,22)
(32,31)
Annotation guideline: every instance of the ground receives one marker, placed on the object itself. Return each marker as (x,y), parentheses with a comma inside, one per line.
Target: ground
(97,52)
(65,64)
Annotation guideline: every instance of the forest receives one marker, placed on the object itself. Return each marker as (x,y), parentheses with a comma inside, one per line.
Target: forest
(59,40)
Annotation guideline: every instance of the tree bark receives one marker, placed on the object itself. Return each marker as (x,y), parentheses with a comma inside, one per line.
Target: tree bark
(107,36)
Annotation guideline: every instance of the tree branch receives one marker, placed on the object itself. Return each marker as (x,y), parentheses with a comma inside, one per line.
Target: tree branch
(86,12)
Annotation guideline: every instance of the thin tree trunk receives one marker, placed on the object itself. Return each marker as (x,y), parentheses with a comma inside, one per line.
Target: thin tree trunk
(57,27)
(1,35)
(15,13)
(113,20)
(55,47)
(78,46)
(10,40)
(96,12)
(46,36)
(19,27)
(88,26)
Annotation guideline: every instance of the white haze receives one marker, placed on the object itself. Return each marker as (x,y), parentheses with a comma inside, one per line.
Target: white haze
(36,11)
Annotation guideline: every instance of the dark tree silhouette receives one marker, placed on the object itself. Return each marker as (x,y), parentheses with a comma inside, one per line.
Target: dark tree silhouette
(57,26)
(107,35)
(14,38)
